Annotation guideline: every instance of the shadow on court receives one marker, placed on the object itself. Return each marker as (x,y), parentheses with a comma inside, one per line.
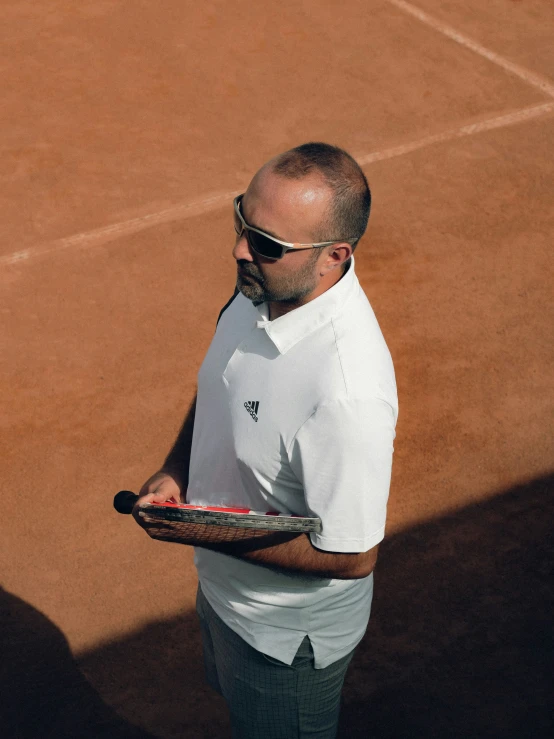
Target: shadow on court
(461,640)
(43,694)
(460,644)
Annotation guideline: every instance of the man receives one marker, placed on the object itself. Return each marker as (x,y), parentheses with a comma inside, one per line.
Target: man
(295,411)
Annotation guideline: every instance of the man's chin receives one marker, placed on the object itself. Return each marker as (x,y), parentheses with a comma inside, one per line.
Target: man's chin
(250,290)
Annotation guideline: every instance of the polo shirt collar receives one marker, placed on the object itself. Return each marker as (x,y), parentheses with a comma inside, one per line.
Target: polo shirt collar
(287,330)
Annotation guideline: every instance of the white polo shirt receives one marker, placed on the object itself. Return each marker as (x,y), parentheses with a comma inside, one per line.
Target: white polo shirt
(296,415)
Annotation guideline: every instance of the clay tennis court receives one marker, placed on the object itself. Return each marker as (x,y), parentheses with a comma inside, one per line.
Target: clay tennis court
(127,128)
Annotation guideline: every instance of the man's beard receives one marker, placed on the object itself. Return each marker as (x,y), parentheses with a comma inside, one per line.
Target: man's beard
(290,289)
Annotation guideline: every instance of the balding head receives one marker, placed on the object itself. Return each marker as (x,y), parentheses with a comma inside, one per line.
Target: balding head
(350,197)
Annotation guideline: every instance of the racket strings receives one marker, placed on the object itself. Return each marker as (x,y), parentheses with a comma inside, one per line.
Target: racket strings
(200,532)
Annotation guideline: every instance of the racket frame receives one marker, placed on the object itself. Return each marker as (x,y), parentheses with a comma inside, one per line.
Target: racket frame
(230,517)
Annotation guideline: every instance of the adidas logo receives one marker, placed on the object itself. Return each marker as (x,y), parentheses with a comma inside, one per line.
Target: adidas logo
(252,408)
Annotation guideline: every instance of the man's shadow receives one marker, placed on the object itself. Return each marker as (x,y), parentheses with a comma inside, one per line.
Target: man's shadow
(460,644)
(44,695)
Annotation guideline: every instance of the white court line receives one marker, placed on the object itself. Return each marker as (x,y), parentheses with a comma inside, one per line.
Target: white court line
(124,228)
(536,80)
(510,119)
(221,200)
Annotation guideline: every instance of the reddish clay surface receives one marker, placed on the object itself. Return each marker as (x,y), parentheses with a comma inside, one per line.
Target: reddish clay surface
(113,111)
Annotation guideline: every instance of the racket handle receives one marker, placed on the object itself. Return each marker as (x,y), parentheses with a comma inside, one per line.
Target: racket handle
(124,501)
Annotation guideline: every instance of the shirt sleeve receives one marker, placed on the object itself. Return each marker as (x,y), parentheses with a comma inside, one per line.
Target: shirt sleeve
(343,457)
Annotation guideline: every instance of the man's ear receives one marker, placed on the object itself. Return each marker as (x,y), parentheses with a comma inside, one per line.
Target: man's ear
(337,255)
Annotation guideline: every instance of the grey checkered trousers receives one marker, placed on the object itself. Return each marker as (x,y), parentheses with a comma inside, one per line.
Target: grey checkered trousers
(269,699)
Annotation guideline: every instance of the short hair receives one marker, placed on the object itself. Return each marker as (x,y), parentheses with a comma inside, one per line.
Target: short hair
(345,178)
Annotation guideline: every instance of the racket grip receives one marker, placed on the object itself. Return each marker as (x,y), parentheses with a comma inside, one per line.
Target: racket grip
(124,501)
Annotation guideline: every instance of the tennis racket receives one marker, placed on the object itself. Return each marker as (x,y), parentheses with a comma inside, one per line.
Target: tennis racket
(172,521)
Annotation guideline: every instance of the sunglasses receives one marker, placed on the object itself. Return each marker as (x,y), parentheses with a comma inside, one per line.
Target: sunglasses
(268,246)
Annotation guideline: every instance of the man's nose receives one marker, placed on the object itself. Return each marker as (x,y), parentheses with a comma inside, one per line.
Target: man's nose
(242,249)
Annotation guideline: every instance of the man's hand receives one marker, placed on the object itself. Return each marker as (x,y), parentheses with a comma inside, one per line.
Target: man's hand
(162,486)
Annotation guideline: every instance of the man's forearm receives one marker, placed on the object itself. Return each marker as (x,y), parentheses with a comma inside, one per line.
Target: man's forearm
(296,554)
(178,459)
(281,551)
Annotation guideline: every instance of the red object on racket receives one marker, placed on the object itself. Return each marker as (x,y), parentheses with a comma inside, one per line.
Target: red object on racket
(238,518)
